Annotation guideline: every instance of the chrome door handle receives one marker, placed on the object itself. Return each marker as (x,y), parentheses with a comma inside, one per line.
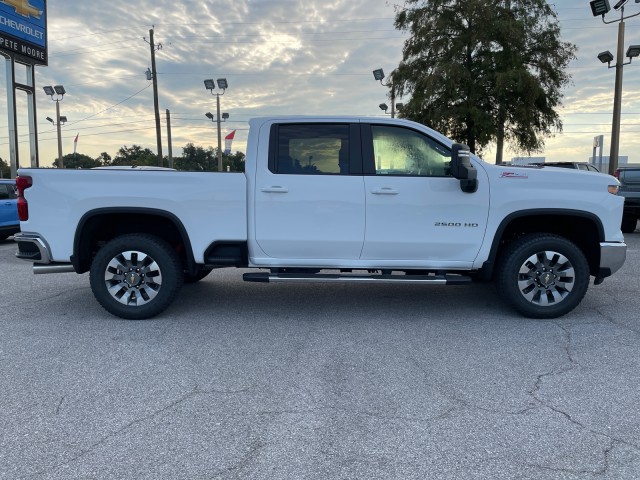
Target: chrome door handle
(275,189)
(385,191)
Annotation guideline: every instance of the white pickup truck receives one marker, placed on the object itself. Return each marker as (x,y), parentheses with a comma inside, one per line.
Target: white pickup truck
(328,199)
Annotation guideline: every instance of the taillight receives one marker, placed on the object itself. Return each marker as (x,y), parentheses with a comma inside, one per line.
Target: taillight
(23,207)
(616,173)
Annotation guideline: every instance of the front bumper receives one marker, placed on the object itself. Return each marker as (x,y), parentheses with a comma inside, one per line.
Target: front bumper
(612,257)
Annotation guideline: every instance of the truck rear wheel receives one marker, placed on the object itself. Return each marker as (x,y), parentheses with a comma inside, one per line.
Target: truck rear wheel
(136,276)
(543,275)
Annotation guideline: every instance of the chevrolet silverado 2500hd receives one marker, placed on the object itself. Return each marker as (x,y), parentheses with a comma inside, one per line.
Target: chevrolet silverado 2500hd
(328,199)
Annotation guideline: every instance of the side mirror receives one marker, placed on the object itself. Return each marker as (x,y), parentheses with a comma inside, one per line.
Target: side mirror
(462,169)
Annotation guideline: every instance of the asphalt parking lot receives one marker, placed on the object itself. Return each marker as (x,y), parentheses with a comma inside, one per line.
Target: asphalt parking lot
(255,381)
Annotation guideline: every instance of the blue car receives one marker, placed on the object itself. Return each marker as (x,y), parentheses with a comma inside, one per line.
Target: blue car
(9,223)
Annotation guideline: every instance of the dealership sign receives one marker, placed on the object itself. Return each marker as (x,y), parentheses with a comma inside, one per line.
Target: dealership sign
(23,30)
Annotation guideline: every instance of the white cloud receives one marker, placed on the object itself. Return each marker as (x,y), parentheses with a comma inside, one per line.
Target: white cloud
(279,56)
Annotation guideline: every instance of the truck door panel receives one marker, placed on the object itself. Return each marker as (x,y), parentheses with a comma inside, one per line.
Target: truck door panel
(414,209)
(309,203)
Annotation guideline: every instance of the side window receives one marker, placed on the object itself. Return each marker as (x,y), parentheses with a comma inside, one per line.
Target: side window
(312,149)
(632,176)
(400,151)
(5,193)
(582,167)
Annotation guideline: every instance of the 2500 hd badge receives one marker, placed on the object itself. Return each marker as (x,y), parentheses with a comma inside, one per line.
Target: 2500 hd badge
(456,224)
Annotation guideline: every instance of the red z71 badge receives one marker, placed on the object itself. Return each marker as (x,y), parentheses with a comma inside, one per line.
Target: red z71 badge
(513,175)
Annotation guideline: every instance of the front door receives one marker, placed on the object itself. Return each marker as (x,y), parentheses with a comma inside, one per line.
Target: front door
(415,208)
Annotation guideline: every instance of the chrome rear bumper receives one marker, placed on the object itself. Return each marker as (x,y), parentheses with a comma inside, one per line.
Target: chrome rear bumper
(33,248)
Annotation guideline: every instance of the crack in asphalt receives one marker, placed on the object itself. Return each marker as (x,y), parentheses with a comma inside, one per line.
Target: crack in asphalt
(366,413)
(612,320)
(39,301)
(613,441)
(445,392)
(254,450)
(193,393)
(59,405)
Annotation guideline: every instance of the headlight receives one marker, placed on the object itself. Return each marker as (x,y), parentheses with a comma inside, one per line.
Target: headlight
(613,189)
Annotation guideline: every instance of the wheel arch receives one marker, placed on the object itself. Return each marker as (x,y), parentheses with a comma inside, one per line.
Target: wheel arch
(98,226)
(582,228)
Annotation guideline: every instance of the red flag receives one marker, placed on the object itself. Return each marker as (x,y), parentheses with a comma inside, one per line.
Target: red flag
(228,140)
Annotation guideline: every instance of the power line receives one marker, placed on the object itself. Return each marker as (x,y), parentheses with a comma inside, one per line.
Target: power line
(112,106)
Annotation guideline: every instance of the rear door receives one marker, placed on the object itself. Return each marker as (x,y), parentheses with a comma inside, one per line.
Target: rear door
(309,203)
(8,207)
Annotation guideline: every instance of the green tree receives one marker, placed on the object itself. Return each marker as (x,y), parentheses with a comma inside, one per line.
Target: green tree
(195,159)
(104,158)
(198,159)
(234,161)
(77,160)
(483,70)
(135,155)
(5,169)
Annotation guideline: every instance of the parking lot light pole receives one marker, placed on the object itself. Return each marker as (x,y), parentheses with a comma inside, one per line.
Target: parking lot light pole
(59,91)
(378,74)
(601,8)
(222,85)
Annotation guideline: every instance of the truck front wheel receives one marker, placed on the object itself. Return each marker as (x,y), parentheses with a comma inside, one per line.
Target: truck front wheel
(136,276)
(629,223)
(543,275)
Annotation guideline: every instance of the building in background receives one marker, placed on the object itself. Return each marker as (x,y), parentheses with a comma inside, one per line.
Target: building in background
(623,161)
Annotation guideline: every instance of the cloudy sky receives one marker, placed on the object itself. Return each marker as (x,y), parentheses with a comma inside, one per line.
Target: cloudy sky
(279,57)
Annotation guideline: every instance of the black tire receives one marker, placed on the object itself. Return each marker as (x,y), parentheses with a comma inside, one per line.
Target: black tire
(202,272)
(629,223)
(136,276)
(542,275)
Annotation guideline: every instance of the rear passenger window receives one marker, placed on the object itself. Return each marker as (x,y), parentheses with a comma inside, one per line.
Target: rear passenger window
(6,192)
(313,149)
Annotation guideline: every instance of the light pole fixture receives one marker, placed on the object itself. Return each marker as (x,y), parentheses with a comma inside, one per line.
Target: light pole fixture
(601,8)
(632,52)
(63,120)
(384,107)
(211,116)
(378,75)
(222,85)
(605,57)
(59,92)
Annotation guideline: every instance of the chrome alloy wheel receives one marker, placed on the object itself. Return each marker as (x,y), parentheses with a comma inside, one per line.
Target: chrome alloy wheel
(546,278)
(133,278)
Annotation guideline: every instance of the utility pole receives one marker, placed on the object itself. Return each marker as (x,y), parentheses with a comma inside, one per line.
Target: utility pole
(154,78)
(617,100)
(169,139)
